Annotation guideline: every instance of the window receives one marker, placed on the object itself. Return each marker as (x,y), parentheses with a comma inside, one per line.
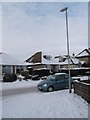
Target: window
(66,77)
(48,57)
(59,77)
(18,70)
(6,69)
(3,69)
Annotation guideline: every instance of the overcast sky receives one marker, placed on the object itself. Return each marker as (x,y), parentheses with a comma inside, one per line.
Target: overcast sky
(29,27)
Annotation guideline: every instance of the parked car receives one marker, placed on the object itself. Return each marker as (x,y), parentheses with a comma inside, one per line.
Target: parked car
(55,82)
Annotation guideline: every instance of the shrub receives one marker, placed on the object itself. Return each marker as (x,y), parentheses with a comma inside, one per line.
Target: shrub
(36,77)
(41,72)
(9,77)
(26,75)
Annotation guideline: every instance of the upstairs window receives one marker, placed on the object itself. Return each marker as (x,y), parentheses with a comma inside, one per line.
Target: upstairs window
(48,57)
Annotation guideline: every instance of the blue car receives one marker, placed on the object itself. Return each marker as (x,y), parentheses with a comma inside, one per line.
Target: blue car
(55,82)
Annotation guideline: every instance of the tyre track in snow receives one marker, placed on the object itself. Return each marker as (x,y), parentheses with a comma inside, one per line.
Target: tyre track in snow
(17,91)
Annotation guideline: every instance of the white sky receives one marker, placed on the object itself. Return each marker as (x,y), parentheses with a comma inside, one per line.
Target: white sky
(29,27)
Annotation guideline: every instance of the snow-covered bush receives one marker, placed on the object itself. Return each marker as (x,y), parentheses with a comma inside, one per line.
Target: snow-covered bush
(9,77)
(26,75)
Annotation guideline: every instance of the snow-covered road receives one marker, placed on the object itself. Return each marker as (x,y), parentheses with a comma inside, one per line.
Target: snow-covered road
(19,91)
(57,104)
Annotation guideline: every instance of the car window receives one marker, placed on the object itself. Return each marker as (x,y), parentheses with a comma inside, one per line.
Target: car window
(59,77)
(51,77)
(66,77)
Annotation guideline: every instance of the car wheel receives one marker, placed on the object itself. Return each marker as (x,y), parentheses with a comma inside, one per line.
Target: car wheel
(50,89)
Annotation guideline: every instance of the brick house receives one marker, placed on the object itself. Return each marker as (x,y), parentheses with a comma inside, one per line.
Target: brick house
(41,60)
(74,62)
(84,56)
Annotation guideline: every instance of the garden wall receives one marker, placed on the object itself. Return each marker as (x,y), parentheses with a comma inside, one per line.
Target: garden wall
(82,88)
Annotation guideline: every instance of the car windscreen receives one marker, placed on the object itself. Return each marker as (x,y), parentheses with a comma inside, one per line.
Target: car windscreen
(51,77)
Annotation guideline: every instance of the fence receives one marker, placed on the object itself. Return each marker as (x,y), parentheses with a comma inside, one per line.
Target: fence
(82,88)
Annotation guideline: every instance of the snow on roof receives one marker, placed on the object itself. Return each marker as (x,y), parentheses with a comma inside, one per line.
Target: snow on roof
(72,61)
(6,59)
(65,62)
(51,61)
(85,52)
(60,73)
(75,61)
(76,68)
(82,62)
(42,69)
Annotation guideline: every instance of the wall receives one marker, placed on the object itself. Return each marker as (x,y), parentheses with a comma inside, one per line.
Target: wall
(8,69)
(71,66)
(38,66)
(86,59)
(82,89)
(55,68)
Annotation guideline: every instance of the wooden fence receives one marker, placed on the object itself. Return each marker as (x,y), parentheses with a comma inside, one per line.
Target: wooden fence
(82,88)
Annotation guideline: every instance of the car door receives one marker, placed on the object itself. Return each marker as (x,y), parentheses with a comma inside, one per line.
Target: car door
(59,82)
(66,80)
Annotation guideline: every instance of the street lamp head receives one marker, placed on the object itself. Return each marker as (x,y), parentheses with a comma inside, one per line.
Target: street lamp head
(64,9)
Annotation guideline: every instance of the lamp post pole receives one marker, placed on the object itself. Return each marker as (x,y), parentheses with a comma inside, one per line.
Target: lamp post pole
(65,10)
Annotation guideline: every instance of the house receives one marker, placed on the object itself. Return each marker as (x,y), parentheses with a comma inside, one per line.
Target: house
(60,58)
(84,56)
(74,63)
(41,60)
(9,65)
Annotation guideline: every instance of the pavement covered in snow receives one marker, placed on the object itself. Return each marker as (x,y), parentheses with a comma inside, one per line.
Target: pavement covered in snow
(57,104)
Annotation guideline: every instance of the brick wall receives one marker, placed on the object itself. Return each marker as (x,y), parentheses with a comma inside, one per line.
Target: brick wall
(86,59)
(37,57)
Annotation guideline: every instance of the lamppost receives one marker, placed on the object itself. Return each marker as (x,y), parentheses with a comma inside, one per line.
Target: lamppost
(65,10)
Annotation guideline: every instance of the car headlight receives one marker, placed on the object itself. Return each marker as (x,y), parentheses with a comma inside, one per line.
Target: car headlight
(45,85)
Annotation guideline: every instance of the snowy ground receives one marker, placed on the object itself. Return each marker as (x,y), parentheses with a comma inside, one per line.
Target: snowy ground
(0,101)
(58,104)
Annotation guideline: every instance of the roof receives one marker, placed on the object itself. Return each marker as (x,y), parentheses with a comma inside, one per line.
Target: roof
(41,58)
(84,53)
(6,59)
(72,61)
(34,58)
(52,61)
(60,73)
(49,60)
